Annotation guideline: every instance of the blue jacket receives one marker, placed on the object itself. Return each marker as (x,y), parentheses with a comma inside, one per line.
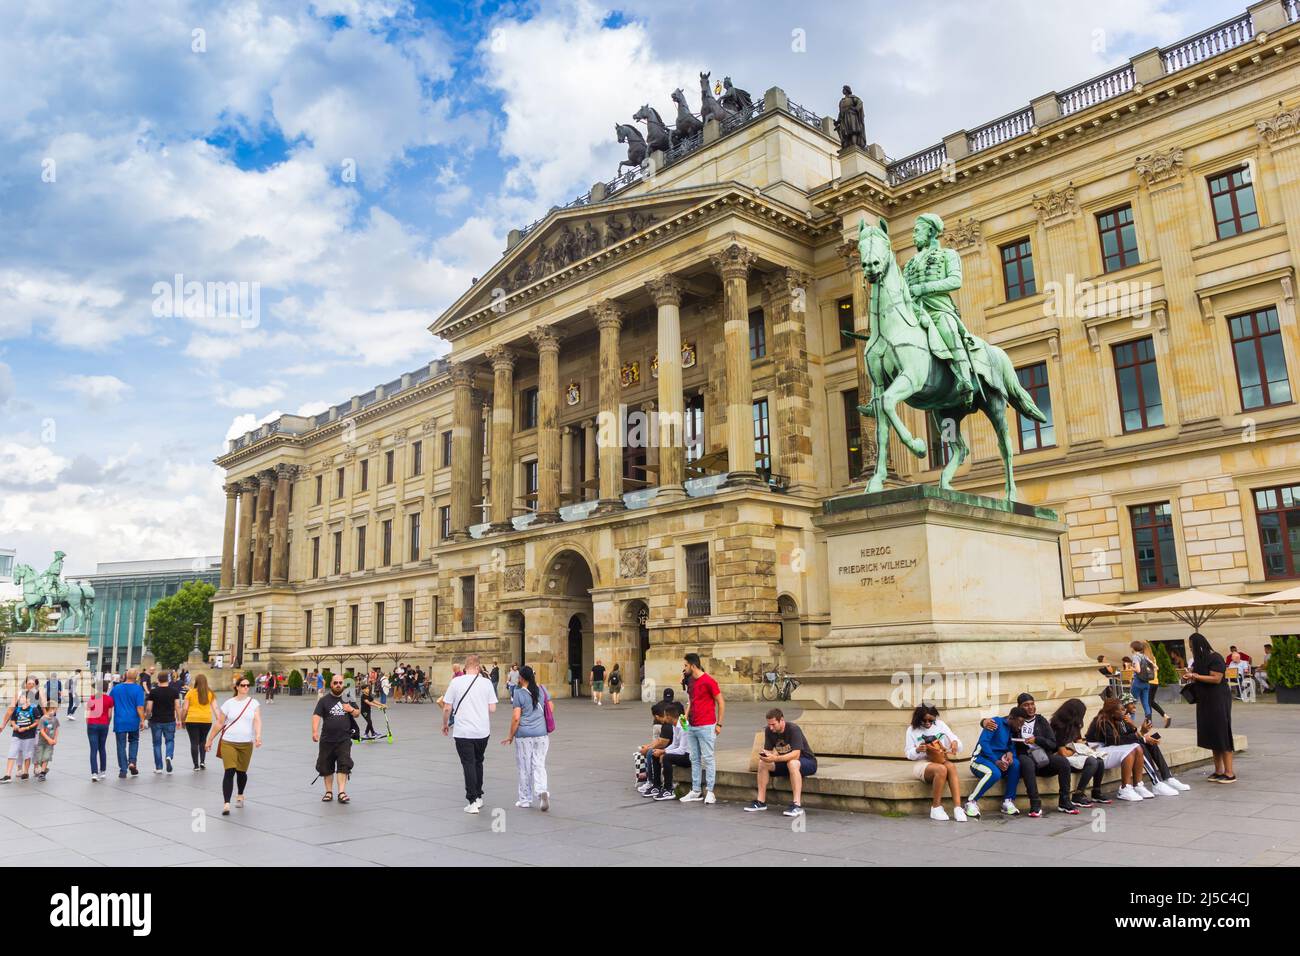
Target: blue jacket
(992,744)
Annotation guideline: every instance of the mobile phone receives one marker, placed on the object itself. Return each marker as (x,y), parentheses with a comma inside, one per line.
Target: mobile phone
(1155,736)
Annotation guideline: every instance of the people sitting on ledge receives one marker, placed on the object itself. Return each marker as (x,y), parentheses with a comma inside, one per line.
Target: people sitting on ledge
(994,759)
(785,753)
(1036,750)
(930,744)
(1067,728)
(1107,734)
(1164,783)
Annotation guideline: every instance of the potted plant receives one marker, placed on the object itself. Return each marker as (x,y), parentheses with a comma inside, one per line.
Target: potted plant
(327,674)
(1167,690)
(295,683)
(1284,669)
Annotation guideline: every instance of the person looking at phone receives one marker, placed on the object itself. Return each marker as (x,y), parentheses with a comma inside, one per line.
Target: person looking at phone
(930,744)
(785,753)
(994,759)
(1037,753)
(1163,781)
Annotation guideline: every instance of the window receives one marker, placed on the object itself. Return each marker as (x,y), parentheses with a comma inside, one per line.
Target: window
(1261,365)
(315,556)
(757,334)
(320,481)
(338,552)
(415,537)
(388,468)
(467,603)
(354,621)
(939,453)
(1138,384)
(408,620)
(698,602)
(844,322)
(291,484)
(386,534)
(1018,269)
(1119,248)
(693,427)
(361,548)
(446,449)
(329,627)
(528,408)
(634,445)
(1035,435)
(306,629)
(365,474)
(530,485)
(762,438)
(417,458)
(338,490)
(852,432)
(1153,546)
(1277,513)
(444,522)
(257,634)
(380,636)
(1232,196)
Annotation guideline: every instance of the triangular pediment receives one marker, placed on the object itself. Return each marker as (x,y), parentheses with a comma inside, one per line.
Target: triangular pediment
(569,237)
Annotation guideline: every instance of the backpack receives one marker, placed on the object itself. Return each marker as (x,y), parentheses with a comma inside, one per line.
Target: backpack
(1146,669)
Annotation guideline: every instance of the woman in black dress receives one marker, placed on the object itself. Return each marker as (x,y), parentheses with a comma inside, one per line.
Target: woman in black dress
(1213,706)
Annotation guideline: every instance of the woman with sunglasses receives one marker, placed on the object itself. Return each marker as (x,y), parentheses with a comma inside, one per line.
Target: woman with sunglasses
(237,727)
(931,746)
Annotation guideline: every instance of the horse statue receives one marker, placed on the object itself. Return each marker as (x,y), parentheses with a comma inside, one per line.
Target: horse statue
(75,601)
(687,124)
(902,365)
(709,107)
(636,147)
(656,135)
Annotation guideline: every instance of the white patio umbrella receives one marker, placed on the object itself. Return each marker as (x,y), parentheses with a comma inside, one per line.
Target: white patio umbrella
(1289,596)
(1079,614)
(1193,607)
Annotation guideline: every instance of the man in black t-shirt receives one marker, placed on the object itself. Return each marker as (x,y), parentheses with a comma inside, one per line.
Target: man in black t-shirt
(160,711)
(786,753)
(331,727)
(598,681)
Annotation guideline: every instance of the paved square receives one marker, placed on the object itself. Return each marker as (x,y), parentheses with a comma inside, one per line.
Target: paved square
(407,799)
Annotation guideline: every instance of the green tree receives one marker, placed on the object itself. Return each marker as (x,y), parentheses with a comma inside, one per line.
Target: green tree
(1165,670)
(1284,665)
(172,620)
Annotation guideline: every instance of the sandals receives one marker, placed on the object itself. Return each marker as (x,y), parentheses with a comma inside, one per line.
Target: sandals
(344,798)
(327,798)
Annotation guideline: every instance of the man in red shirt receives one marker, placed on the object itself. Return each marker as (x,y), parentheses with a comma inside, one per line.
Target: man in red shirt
(704,723)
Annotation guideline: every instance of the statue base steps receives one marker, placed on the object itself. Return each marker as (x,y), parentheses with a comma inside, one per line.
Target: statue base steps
(38,655)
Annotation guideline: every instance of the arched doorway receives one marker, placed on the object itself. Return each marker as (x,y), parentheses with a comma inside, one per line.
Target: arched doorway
(513,639)
(636,634)
(566,592)
(791,638)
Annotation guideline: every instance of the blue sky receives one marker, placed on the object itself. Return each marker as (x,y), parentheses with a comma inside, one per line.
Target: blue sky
(361,161)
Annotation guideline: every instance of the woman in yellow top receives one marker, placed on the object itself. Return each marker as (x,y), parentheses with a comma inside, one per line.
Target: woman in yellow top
(196,718)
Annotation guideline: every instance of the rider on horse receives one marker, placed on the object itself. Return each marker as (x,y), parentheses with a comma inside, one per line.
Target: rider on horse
(50,579)
(931,275)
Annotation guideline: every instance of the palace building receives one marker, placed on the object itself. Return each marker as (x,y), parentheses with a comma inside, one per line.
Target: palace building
(648,399)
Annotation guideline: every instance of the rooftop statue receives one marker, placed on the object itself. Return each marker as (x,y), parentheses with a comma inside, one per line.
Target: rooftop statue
(657,135)
(919,352)
(76,601)
(636,147)
(734,99)
(687,124)
(709,107)
(851,124)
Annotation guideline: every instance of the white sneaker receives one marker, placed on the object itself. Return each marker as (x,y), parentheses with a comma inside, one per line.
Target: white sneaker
(522,804)
(1129,794)
(643,787)
(1009,808)
(157,769)
(1143,792)
(938,813)
(1177,784)
(958,814)
(972,809)
(693,797)
(479,803)
(471,808)
(710,798)
(1164,790)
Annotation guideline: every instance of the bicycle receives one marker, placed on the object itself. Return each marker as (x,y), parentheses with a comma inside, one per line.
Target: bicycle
(778,684)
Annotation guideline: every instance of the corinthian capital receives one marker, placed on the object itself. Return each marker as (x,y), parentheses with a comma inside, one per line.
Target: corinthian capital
(501,358)
(1282,129)
(787,283)
(545,339)
(462,374)
(666,290)
(848,251)
(286,472)
(733,262)
(1155,168)
(608,313)
(1056,204)
(266,478)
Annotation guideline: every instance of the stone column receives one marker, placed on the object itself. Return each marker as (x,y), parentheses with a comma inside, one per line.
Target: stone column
(228,538)
(667,293)
(566,465)
(464,483)
(503,426)
(1282,134)
(786,292)
(733,264)
(609,319)
(245,548)
(261,554)
(589,458)
(284,474)
(1195,372)
(548,424)
(652,439)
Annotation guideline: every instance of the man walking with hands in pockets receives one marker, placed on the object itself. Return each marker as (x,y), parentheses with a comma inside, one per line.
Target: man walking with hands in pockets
(467,708)
(704,723)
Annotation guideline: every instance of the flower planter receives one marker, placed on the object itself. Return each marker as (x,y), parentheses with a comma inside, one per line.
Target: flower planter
(1167,694)
(295,691)
(1288,695)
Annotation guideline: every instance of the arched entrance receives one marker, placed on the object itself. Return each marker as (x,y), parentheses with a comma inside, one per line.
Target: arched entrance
(513,639)
(791,638)
(566,593)
(636,634)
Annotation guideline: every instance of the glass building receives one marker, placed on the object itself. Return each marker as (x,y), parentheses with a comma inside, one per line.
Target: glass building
(124,593)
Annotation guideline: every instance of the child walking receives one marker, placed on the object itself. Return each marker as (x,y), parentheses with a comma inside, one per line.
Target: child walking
(47,735)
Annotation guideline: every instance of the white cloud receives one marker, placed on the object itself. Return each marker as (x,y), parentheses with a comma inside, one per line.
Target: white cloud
(98,389)
(27,466)
(250,396)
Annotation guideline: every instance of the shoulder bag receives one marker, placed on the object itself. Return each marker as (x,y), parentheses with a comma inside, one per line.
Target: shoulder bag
(221,737)
(451,721)
(548,711)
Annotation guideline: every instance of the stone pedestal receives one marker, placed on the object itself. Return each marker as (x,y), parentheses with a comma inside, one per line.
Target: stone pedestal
(38,655)
(941,597)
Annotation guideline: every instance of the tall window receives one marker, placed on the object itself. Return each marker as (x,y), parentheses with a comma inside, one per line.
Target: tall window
(852,432)
(417,458)
(1035,435)
(380,636)
(257,635)
(1153,546)
(415,537)
(354,623)
(757,334)
(315,556)
(634,450)
(1138,384)
(693,427)
(528,408)
(338,487)
(444,522)
(1261,364)
(365,474)
(762,438)
(386,536)
(446,449)
(698,602)
(361,548)
(1232,195)
(388,468)
(530,485)
(843,322)
(306,629)
(1119,248)
(338,552)
(1018,269)
(408,620)
(320,481)
(467,603)
(1277,514)
(329,627)
(939,453)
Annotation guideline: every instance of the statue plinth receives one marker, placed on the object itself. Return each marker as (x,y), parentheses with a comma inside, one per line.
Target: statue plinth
(941,597)
(40,653)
